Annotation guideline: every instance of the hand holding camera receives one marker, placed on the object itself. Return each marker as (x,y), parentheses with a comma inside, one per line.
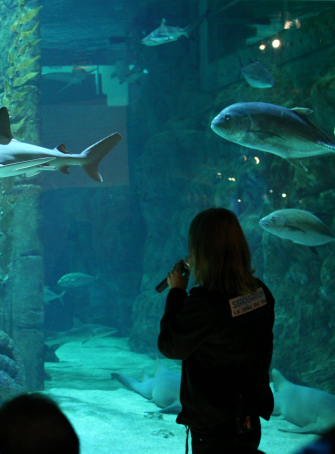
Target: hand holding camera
(177,277)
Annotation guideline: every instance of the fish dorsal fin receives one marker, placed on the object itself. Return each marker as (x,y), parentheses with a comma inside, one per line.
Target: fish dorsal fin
(5,132)
(145,376)
(279,381)
(62,149)
(298,164)
(159,367)
(64,170)
(302,111)
(163,23)
(77,323)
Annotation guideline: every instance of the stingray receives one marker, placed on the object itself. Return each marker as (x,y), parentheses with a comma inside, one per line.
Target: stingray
(162,389)
(311,409)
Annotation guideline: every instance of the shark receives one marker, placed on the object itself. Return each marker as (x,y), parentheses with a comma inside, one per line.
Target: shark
(18,158)
(310,409)
(74,78)
(166,33)
(163,389)
(81,332)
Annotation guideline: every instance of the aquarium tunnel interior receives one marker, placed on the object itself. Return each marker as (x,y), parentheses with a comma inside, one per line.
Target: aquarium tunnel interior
(111,104)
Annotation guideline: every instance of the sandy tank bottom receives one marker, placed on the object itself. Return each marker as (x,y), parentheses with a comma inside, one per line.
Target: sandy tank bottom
(109,419)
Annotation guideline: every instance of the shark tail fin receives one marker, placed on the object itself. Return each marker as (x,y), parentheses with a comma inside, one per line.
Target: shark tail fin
(95,153)
(5,132)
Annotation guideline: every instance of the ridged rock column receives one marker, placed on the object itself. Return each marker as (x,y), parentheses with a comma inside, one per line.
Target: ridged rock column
(23,310)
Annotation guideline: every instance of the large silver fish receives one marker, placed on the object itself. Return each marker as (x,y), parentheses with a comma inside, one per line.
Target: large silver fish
(18,157)
(167,33)
(73,280)
(275,129)
(299,226)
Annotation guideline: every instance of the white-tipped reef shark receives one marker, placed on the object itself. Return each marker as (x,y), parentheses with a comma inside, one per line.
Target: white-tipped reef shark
(311,409)
(18,158)
(80,333)
(162,389)
(166,33)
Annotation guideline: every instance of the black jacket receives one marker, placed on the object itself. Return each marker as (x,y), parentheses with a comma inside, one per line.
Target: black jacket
(225,345)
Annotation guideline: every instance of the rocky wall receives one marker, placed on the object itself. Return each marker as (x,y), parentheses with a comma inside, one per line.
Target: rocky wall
(21,251)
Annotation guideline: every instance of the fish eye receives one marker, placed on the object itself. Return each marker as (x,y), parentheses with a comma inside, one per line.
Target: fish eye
(227,117)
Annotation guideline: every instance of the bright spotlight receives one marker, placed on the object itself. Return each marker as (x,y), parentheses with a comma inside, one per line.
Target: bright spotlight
(276,43)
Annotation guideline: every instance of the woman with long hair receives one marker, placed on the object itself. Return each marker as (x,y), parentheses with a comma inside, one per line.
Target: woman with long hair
(222,332)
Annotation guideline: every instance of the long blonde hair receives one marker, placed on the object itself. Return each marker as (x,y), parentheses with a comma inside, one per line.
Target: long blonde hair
(219,253)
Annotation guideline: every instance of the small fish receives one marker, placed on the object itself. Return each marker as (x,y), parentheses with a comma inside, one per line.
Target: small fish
(81,332)
(17,154)
(49,295)
(127,74)
(267,127)
(76,77)
(166,34)
(78,279)
(133,75)
(299,226)
(257,75)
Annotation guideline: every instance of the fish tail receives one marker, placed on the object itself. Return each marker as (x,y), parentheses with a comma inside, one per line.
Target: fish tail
(95,153)
(61,296)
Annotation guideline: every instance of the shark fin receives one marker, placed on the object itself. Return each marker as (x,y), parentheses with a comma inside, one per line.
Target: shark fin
(95,153)
(173,409)
(62,149)
(5,132)
(159,367)
(312,428)
(279,381)
(296,162)
(302,111)
(145,376)
(61,297)
(64,170)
